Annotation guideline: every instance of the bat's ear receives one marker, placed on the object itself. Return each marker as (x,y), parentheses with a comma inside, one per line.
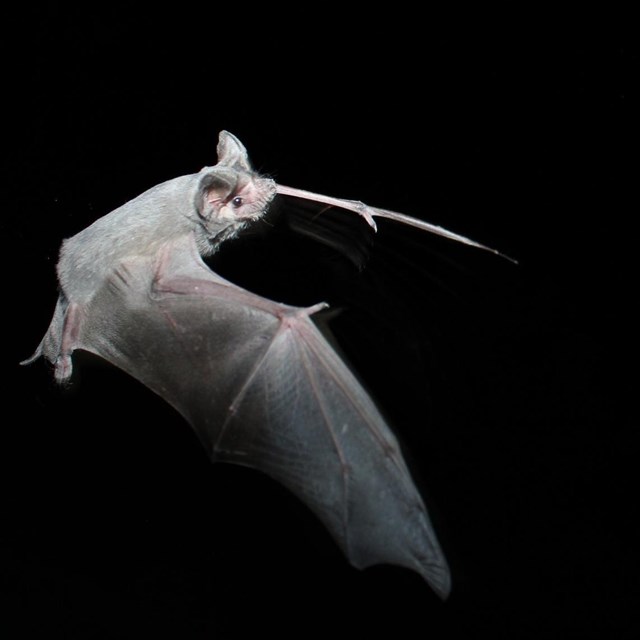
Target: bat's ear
(220,180)
(231,152)
(215,187)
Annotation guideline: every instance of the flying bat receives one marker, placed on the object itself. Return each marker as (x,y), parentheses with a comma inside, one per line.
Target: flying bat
(255,378)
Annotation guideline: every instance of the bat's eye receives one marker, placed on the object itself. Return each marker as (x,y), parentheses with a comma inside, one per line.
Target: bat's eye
(237,202)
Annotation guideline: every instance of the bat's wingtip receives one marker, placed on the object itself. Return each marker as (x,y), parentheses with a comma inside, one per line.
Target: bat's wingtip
(505,256)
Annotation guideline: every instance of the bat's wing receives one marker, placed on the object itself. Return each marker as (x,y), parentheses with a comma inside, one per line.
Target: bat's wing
(369,213)
(262,388)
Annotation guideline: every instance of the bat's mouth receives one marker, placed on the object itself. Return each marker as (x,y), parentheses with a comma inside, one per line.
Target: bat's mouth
(227,233)
(251,217)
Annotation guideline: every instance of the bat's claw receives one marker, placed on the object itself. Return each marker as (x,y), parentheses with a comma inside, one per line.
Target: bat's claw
(309,311)
(365,212)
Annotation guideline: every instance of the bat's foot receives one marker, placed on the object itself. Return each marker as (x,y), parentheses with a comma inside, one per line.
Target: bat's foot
(60,340)
(63,368)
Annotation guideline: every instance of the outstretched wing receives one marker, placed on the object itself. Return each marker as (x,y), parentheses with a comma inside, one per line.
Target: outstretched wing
(263,388)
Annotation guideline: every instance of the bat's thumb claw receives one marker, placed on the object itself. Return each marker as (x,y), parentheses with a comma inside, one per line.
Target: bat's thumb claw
(367,213)
(309,311)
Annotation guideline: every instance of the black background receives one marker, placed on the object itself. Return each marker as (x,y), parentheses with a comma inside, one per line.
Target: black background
(512,388)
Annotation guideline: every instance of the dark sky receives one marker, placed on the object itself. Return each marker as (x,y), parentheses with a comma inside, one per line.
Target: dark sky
(511,388)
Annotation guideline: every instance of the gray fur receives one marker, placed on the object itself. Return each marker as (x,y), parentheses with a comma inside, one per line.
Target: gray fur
(200,204)
(162,214)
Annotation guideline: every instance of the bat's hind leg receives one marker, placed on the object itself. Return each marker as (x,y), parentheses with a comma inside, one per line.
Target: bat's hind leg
(61,339)
(71,324)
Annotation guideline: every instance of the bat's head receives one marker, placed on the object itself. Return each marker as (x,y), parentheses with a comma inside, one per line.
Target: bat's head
(230,194)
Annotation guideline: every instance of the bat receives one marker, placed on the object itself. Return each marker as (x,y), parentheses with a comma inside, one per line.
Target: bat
(256,379)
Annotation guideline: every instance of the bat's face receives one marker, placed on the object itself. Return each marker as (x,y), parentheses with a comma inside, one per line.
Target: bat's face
(229,195)
(228,199)
(242,200)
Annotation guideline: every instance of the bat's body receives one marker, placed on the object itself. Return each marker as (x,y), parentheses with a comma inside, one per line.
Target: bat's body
(254,378)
